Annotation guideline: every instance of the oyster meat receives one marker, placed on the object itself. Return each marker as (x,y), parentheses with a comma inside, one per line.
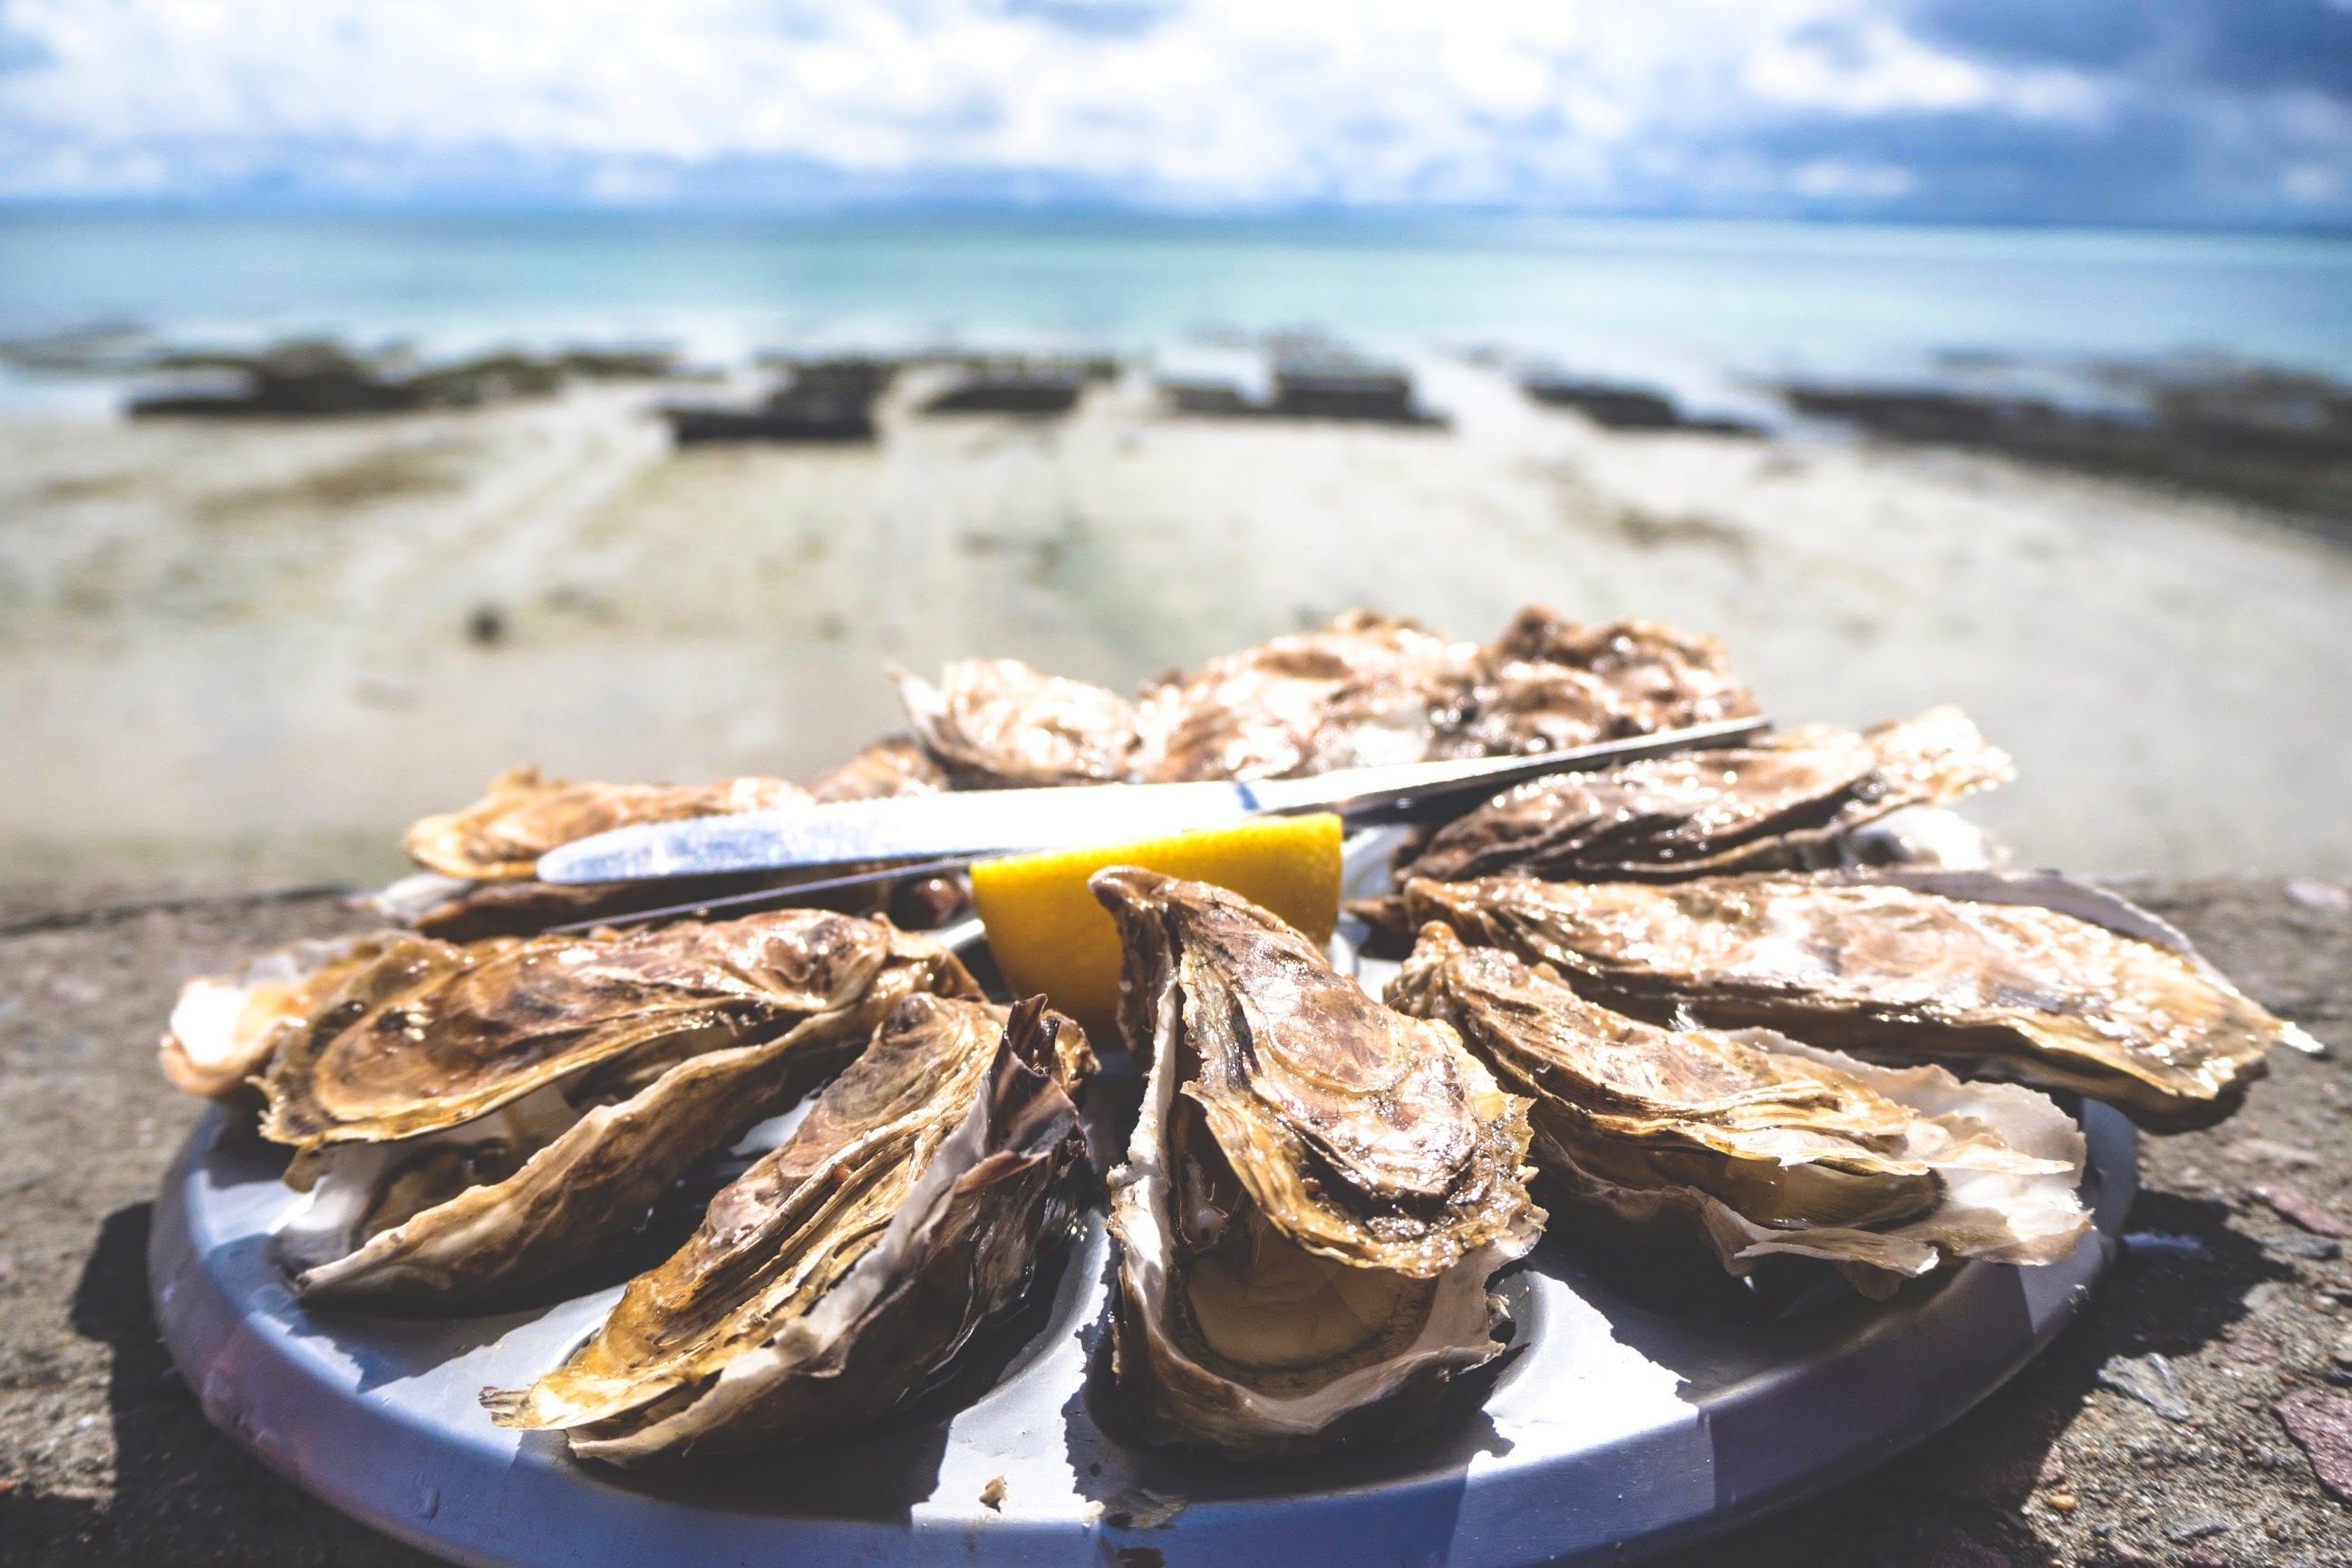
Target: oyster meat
(847,1270)
(523,816)
(1780,805)
(1316,1190)
(472,1119)
(225,1027)
(1894,973)
(995,723)
(1751,1143)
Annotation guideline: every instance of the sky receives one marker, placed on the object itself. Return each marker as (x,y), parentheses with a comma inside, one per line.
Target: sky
(2191,113)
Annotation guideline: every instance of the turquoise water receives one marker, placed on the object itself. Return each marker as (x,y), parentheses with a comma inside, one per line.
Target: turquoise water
(1670,296)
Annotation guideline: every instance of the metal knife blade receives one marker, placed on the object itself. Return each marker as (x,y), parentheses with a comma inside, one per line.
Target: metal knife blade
(988,822)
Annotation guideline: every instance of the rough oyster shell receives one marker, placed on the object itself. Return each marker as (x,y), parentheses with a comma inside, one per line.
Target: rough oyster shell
(1354,692)
(1316,1192)
(995,723)
(1547,683)
(472,1119)
(1753,1143)
(1774,805)
(846,1271)
(225,1027)
(522,816)
(1893,973)
(894,767)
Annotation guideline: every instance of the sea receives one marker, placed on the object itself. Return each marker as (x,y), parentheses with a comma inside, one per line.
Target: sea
(1710,310)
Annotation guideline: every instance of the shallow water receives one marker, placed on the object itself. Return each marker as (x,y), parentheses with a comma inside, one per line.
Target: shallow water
(1685,303)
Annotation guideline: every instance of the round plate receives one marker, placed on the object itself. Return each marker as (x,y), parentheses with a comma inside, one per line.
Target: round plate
(1631,1413)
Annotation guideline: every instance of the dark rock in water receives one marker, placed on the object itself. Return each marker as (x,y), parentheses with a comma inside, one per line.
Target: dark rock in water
(820,400)
(1305,376)
(1020,387)
(1613,406)
(2279,438)
(321,379)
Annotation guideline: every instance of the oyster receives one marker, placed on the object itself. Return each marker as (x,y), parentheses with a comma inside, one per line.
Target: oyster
(1547,683)
(523,816)
(1780,805)
(470,1118)
(225,1027)
(1893,973)
(891,767)
(1752,1144)
(1354,692)
(1316,1193)
(844,1272)
(995,723)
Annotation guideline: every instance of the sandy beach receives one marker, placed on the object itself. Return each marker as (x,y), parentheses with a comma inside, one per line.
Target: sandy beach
(233,652)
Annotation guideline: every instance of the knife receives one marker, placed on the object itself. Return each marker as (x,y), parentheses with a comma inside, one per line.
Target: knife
(971,822)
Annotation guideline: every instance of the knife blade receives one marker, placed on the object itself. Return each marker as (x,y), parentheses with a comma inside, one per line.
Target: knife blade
(990,822)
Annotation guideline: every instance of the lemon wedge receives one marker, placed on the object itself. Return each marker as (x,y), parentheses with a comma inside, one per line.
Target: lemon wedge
(1048,935)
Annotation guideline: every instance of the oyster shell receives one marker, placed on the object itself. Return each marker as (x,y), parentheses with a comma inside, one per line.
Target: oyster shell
(523,816)
(889,768)
(995,723)
(1780,805)
(225,1027)
(1354,692)
(1547,683)
(472,1119)
(1316,1193)
(1752,1144)
(1893,973)
(846,1271)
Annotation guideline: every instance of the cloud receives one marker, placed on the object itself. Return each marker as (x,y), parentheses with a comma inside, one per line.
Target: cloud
(2237,110)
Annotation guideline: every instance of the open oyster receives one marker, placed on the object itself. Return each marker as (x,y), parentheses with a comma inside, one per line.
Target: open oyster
(470,1118)
(1752,1144)
(995,723)
(1780,805)
(846,1271)
(225,1027)
(1893,973)
(523,816)
(1316,1193)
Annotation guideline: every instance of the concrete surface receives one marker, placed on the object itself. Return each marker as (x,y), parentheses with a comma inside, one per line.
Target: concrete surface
(104,1458)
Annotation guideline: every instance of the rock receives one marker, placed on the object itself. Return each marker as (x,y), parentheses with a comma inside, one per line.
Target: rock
(2321,1425)
(2164,1244)
(2318,1249)
(2317,895)
(2300,1208)
(2150,1380)
(2270,1152)
(2196,1527)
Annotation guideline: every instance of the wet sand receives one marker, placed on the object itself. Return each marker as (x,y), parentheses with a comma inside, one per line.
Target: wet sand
(232,652)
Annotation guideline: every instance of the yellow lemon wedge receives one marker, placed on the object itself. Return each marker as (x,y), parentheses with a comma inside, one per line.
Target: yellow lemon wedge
(1048,935)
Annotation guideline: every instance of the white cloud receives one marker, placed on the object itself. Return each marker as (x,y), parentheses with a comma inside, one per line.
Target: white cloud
(1182,102)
